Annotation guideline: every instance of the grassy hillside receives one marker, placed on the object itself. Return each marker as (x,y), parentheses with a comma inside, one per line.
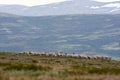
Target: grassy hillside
(23,67)
(92,34)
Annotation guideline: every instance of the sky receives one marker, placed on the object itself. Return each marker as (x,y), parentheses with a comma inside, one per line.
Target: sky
(29,2)
(41,2)
(106,0)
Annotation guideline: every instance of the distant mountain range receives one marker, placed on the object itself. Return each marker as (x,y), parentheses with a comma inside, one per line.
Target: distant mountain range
(65,8)
(85,34)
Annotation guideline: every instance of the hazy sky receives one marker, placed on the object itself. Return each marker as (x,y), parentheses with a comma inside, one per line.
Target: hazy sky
(41,2)
(29,2)
(106,0)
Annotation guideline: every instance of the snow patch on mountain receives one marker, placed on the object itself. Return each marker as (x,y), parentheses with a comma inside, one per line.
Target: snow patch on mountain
(115,10)
(117,5)
(95,7)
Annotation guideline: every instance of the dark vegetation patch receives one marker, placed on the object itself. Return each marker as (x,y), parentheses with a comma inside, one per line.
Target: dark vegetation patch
(27,67)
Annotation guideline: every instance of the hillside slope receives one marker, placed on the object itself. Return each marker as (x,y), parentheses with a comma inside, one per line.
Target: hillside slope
(85,34)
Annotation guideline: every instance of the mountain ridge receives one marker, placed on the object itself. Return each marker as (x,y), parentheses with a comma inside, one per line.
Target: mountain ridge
(64,8)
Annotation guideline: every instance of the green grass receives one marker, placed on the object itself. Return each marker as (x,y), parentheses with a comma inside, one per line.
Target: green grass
(22,67)
(25,67)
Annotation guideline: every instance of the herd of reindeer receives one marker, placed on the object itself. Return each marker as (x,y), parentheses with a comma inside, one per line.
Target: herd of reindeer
(65,55)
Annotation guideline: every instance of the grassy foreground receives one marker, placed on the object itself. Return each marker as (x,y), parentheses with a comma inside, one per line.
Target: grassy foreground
(24,67)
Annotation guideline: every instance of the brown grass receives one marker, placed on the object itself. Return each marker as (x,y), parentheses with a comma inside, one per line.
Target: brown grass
(23,67)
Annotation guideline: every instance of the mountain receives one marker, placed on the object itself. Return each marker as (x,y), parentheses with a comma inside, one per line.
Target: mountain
(65,8)
(85,34)
(7,15)
(13,9)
